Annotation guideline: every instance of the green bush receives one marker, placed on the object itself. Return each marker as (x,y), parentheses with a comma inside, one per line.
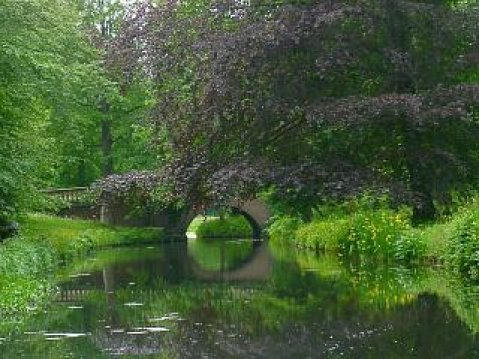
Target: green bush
(20,295)
(324,235)
(409,247)
(463,247)
(24,267)
(283,230)
(228,227)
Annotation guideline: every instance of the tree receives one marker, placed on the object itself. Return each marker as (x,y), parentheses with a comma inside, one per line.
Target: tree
(121,105)
(39,74)
(319,98)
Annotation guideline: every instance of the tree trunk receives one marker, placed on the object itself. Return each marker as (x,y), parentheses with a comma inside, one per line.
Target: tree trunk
(106,123)
(106,146)
(400,39)
(423,206)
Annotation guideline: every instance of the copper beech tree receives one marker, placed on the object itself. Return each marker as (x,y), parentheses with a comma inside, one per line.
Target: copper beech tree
(319,99)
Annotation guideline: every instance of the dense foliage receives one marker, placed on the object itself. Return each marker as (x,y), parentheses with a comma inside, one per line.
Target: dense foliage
(366,234)
(39,75)
(55,78)
(318,98)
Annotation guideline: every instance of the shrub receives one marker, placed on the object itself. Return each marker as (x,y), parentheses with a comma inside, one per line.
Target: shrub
(20,257)
(324,235)
(283,230)
(19,295)
(463,247)
(229,227)
(23,268)
(409,246)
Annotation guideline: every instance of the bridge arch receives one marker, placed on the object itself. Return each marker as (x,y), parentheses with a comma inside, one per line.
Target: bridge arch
(255,211)
(117,211)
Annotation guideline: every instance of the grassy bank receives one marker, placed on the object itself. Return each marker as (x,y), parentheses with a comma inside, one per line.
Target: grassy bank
(380,234)
(29,261)
(75,237)
(387,235)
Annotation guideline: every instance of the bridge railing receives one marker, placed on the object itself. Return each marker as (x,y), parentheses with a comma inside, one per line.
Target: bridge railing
(70,195)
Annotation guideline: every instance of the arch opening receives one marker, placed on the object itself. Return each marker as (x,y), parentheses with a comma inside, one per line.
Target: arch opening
(233,224)
(255,227)
(254,212)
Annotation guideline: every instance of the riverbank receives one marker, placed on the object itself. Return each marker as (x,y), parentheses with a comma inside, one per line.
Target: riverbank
(29,261)
(72,237)
(384,235)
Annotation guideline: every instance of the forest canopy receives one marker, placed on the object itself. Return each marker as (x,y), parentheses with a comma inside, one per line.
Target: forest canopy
(309,100)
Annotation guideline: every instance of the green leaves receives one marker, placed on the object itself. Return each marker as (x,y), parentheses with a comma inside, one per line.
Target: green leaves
(44,62)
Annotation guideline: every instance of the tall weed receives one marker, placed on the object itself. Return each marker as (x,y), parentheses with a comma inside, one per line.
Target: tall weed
(381,234)
(463,247)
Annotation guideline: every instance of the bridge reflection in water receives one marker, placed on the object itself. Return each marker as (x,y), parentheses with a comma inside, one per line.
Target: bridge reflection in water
(200,260)
(256,267)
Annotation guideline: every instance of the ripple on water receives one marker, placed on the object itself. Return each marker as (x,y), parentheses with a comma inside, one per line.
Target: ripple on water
(133,304)
(58,336)
(168,317)
(154,329)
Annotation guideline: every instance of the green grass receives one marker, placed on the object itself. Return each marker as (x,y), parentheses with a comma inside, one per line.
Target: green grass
(71,237)
(198,221)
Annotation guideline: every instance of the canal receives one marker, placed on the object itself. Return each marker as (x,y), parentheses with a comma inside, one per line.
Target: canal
(244,299)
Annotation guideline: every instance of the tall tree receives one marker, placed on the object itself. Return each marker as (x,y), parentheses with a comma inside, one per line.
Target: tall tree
(38,75)
(319,98)
(121,103)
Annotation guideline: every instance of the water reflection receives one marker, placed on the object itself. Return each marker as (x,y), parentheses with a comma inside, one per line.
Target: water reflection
(240,260)
(238,299)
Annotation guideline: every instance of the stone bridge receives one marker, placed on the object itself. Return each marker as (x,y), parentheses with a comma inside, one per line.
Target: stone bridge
(175,222)
(255,211)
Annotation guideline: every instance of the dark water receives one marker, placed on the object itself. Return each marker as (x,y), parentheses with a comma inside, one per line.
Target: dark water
(240,299)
